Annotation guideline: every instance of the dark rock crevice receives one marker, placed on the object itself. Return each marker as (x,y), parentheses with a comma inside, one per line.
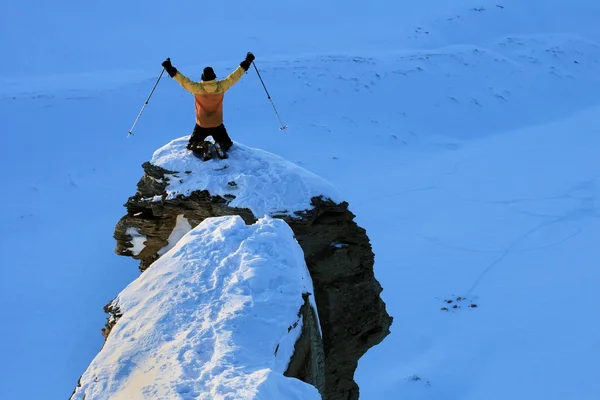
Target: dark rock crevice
(308,360)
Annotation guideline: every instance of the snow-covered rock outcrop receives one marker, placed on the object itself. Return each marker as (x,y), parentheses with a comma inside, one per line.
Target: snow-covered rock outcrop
(216,317)
(178,192)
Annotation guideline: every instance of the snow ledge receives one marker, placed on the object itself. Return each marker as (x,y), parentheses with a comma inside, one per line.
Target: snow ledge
(260,181)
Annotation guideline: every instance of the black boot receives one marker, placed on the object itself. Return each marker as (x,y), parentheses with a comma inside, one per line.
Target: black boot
(201,150)
(220,151)
(206,150)
(226,145)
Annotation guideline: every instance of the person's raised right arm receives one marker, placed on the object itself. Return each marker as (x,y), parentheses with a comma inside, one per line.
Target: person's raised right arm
(185,82)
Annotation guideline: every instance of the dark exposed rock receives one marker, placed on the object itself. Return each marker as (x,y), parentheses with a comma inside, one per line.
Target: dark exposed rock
(153,181)
(338,255)
(308,361)
(114,313)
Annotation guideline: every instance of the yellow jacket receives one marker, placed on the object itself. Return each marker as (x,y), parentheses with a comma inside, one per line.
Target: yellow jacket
(208,96)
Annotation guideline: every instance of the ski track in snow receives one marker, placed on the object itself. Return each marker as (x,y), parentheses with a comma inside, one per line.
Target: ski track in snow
(579,212)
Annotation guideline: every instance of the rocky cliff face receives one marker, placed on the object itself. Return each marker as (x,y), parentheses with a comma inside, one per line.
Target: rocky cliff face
(337,251)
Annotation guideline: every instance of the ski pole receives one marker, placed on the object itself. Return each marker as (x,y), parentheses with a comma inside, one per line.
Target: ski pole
(146,103)
(269,96)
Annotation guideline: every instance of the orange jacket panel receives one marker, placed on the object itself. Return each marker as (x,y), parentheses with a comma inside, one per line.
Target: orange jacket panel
(208,96)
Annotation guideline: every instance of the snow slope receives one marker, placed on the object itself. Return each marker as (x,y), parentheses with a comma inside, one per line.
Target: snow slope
(455,130)
(209,320)
(510,224)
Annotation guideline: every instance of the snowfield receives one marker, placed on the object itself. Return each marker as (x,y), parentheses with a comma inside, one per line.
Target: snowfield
(498,270)
(209,319)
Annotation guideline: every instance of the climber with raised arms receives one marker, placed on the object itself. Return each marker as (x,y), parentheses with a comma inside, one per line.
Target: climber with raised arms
(208,98)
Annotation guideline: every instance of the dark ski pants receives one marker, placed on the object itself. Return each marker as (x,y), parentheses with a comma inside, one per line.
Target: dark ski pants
(219,133)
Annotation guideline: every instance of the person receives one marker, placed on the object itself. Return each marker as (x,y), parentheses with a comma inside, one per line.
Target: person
(208,98)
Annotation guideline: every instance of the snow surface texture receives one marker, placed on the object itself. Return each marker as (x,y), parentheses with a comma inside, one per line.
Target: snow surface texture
(209,319)
(260,181)
(137,240)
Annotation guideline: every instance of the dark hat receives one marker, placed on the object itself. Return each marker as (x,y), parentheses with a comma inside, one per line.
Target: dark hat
(208,74)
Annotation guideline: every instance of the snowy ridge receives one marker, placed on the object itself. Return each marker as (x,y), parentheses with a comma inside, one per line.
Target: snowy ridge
(209,319)
(263,182)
